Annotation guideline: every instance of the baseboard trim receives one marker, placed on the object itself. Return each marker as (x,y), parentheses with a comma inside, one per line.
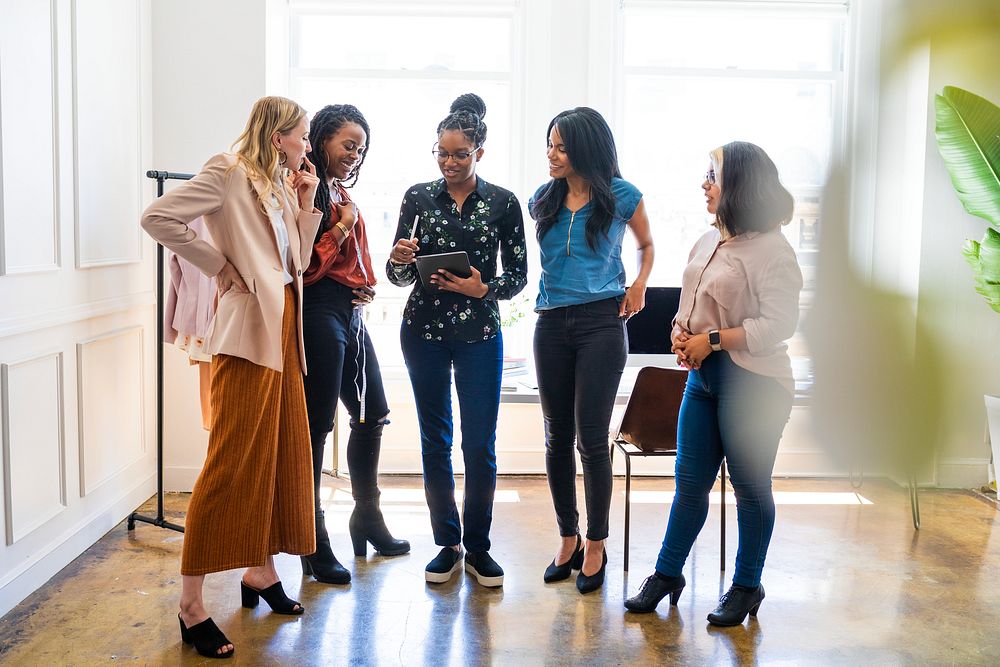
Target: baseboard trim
(962,473)
(25,579)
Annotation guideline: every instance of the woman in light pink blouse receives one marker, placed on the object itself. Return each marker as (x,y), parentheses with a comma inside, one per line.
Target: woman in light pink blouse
(739,304)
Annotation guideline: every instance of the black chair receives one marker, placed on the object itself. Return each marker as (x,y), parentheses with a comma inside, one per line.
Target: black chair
(649,428)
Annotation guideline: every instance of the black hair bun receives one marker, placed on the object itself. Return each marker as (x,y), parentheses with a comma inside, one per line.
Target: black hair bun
(469,102)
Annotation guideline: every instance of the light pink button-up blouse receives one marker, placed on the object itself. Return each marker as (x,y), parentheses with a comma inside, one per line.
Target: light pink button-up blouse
(751,280)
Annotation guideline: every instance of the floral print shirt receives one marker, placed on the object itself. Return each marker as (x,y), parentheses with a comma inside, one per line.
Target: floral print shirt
(489,224)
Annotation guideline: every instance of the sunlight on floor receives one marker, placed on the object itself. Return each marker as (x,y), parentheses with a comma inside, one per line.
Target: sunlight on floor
(780,497)
(410,495)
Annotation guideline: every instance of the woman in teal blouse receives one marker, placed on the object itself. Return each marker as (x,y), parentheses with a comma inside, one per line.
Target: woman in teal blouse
(580,344)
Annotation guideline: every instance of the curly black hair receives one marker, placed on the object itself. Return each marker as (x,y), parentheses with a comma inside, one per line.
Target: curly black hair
(324,125)
(467,114)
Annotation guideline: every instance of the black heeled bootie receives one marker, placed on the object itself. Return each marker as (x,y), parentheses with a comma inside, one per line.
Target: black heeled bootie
(653,589)
(368,525)
(322,564)
(206,637)
(736,604)
(274,596)
(588,583)
(556,572)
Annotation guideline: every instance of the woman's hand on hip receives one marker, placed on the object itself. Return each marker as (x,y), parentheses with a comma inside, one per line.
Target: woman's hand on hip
(304,182)
(472,286)
(634,301)
(363,296)
(404,252)
(229,278)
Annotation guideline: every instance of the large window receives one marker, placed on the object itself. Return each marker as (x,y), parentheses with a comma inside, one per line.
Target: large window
(695,75)
(402,65)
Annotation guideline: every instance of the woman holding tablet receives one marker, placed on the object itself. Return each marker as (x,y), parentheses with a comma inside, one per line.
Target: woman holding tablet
(454,323)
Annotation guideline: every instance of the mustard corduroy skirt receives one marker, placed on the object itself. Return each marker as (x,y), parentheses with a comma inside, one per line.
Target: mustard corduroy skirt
(254,496)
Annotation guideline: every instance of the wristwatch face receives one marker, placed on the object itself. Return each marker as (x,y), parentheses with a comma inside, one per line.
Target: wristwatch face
(714,338)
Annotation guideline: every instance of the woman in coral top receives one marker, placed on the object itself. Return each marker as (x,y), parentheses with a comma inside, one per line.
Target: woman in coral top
(342,362)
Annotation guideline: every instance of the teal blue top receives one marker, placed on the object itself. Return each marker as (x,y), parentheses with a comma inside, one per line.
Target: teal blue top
(572,272)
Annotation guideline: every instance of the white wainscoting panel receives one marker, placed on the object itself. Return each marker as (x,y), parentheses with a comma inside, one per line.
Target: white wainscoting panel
(29,233)
(34,461)
(110,396)
(107,102)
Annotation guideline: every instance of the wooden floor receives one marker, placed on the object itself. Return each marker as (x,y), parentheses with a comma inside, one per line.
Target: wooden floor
(849,582)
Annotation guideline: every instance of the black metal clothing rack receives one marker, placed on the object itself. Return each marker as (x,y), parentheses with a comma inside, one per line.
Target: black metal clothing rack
(158,520)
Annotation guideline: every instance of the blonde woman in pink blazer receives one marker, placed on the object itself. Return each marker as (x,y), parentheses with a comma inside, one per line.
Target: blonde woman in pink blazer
(254,495)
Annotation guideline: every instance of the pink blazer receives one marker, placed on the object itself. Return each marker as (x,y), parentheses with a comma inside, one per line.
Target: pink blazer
(246,324)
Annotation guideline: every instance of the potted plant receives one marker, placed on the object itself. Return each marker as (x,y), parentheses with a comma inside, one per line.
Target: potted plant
(968,138)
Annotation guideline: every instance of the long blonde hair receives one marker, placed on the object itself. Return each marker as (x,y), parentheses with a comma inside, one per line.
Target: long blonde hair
(255,151)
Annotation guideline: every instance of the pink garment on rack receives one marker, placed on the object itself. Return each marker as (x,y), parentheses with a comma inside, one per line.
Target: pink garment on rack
(191,296)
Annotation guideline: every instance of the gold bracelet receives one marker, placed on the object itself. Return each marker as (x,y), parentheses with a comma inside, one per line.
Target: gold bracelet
(343,228)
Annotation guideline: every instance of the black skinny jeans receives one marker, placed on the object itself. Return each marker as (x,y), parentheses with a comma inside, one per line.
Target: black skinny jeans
(339,354)
(580,352)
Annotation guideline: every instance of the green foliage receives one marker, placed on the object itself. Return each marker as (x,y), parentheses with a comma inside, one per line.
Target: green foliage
(968,138)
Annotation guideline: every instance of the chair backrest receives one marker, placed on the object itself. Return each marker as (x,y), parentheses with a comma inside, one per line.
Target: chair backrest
(650,419)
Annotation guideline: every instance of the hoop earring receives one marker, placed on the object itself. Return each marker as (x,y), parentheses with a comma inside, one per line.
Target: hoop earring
(282,158)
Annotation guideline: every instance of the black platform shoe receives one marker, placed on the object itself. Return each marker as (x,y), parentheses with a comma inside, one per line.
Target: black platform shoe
(368,525)
(560,572)
(736,604)
(588,583)
(322,564)
(206,637)
(274,596)
(653,589)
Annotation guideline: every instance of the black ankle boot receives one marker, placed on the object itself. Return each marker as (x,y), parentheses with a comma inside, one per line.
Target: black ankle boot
(368,525)
(655,588)
(736,604)
(322,564)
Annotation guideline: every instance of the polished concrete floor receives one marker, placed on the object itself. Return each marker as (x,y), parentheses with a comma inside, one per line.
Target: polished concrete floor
(848,582)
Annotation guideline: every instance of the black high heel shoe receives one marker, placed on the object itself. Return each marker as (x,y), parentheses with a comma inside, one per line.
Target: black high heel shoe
(587,583)
(736,604)
(206,637)
(322,564)
(367,525)
(274,596)
(654,589)
(560,572)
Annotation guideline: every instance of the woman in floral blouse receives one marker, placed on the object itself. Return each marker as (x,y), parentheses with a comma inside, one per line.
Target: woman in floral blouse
(457,326)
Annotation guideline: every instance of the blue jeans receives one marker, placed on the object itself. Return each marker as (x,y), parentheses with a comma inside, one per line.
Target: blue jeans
(477,380)
(726,411)
(580,352)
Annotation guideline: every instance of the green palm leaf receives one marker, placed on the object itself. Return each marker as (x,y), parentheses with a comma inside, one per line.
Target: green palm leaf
(968,137)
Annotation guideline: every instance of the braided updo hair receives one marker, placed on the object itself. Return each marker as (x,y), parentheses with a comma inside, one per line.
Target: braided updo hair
(467,114)
(324,125)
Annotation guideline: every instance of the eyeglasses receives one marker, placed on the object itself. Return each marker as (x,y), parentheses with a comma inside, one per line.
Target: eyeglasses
(459,156)
(710,176)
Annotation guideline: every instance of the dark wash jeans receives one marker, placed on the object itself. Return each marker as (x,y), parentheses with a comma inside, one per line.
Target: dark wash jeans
(726,411)
(580,352)
(336,344)
(477,381)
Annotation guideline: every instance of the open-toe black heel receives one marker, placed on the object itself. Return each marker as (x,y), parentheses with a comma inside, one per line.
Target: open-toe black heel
(206,637)
(274,596)
(562,571)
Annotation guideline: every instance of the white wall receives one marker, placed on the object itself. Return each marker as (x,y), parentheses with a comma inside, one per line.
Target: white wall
(76,280)
(920,224)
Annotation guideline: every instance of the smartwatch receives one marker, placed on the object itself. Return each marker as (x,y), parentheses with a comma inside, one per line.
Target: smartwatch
(715,340)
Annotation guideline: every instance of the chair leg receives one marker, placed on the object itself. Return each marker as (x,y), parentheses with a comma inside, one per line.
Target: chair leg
(914,502)
(722,540)
(628,504)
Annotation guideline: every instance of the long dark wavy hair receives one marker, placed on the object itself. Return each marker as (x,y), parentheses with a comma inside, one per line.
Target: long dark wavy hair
(592,153)
(324,125)
(752,198)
